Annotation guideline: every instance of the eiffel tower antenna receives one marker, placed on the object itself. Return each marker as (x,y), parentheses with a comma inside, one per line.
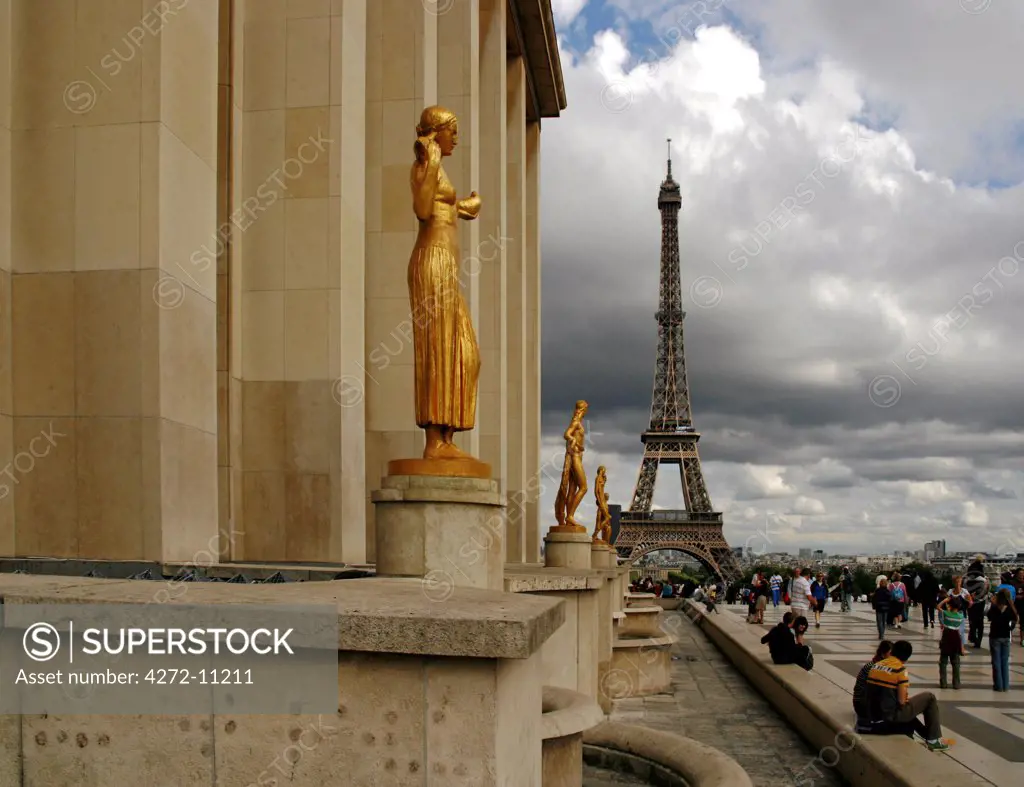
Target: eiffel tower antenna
(670,437)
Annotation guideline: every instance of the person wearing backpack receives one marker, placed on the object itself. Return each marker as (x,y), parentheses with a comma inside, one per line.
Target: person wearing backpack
(897,600)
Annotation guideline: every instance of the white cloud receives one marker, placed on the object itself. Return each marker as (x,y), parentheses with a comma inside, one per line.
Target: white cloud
(763,482)
(565,11)
(807,506)
(973,514)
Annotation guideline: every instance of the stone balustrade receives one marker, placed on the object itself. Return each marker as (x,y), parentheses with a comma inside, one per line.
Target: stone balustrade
(429,691)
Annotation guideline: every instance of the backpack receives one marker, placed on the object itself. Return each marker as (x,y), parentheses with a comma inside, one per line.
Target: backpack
(898,594)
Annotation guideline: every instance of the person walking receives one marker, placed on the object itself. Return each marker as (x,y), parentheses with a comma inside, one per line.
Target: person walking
(846,588)
(927,594)
(776,585)
(819,592)
(1018,584)
(1002,617)
(951,646)
(960,592)
(897,601)
(977,585)
(801,600)
(1006,582)
(880,602)
(762,601)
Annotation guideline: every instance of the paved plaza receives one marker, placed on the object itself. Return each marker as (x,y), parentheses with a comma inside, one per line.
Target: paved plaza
(712,703)
(988,727)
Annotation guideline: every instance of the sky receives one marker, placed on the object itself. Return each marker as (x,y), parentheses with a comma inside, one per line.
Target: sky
(851,239)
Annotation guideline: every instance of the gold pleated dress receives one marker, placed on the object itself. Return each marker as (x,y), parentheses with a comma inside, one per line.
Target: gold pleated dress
(447,364)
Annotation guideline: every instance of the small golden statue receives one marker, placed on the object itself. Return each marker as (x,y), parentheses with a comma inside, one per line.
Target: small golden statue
(447,357)
(573,487)
(603,526)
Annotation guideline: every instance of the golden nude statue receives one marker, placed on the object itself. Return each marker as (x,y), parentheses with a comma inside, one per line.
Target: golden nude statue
(447,357)
(573,487)
(603,526)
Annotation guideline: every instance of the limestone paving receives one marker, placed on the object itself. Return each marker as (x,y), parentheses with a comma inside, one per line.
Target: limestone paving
(711,702)
(988,727)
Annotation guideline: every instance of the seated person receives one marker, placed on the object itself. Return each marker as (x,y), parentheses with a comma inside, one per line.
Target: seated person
(667,591)
(776,638)
(892,710)
(860,701)
(785,642)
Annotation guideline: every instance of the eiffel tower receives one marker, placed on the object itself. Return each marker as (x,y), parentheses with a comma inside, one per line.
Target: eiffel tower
(670,438)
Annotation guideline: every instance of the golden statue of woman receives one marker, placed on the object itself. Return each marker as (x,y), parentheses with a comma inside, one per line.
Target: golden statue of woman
(573,487)
(447,357)
(603,526)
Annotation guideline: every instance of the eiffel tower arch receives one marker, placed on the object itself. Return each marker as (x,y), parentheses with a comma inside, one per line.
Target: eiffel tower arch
(670,438)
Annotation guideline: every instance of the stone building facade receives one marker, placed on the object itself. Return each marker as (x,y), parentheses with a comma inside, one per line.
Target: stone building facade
(205,223)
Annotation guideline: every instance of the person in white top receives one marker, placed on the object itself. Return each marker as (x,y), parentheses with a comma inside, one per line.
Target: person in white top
(800,598)
(960,591)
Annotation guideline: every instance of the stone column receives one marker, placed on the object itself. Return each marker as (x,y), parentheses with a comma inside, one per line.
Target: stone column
(531,319)
(113,123)
(347,255)
(290,273)
(401,79)
(229,391)
(7,540)
(458,89)
(489,256)
(516,425)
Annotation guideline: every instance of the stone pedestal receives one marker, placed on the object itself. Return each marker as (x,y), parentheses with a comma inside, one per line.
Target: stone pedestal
(449,531)
(601,555)
(639,667)
(570,657)
(567,715)
(567,550)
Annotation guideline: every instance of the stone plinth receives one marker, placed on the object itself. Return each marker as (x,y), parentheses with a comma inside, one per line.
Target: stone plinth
(567,550)
(639,599)
(567,714)
(570,657)
(640,622)
(639,667)
(601,555)
(448,531)
(427,693)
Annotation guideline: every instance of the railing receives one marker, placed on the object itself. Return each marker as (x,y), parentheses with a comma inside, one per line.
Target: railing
(687,517)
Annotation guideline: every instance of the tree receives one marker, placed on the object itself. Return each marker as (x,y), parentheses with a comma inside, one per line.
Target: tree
(863,582)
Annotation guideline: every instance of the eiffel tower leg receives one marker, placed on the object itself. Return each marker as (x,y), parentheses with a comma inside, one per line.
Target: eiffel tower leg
(644,494)
(686,489)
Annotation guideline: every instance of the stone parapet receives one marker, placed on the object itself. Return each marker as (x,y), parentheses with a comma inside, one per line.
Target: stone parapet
(428,691)
(374,614)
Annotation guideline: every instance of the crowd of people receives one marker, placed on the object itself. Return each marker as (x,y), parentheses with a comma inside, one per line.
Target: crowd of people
(805,596)
(961,611)
(882,699)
